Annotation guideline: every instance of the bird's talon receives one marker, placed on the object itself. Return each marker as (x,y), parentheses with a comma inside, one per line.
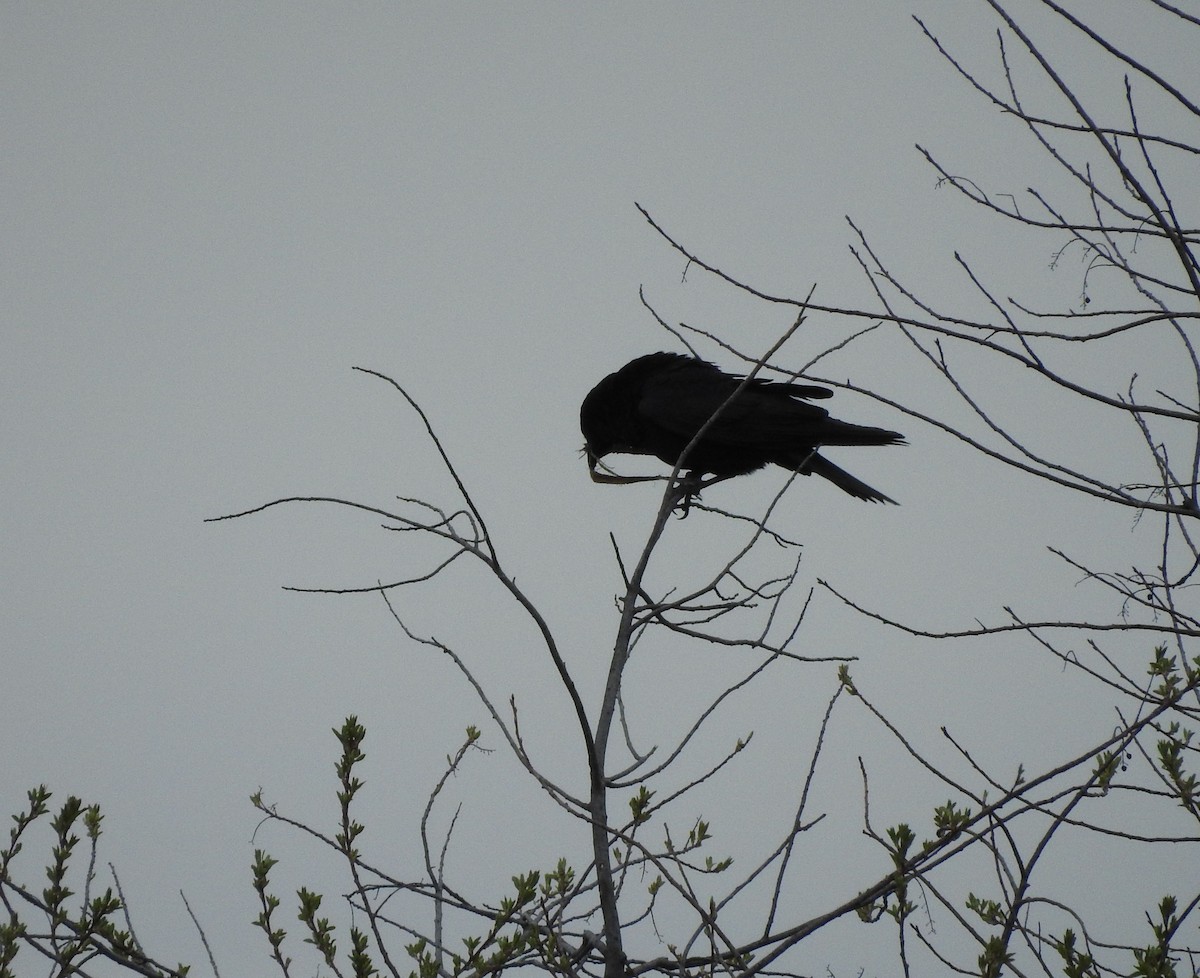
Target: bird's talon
(690,486)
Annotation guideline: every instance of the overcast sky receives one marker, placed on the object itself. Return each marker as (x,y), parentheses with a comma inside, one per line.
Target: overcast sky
(213,212)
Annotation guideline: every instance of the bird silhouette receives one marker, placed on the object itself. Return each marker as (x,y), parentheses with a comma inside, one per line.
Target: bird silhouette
(656,404)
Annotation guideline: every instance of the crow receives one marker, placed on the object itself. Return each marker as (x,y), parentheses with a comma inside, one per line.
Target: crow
(656,404)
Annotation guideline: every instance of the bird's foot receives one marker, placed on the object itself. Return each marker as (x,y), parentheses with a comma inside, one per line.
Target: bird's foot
(688,487)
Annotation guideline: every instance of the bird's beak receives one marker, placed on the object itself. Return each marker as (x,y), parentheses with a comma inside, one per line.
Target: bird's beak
(592,462)
(607,477)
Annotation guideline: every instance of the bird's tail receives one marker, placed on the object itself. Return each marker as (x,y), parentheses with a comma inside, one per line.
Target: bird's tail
(815,464)
(841,433)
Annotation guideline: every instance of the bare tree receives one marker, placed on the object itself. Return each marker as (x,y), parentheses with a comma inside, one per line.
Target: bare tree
(1128,213)
(978,865)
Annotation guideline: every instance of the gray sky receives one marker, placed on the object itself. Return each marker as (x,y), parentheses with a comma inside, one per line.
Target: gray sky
(211,213)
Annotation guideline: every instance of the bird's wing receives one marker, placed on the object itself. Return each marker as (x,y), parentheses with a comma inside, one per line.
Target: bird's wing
(681,400)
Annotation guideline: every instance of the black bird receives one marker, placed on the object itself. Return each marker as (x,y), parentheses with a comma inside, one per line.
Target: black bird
(656,404)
